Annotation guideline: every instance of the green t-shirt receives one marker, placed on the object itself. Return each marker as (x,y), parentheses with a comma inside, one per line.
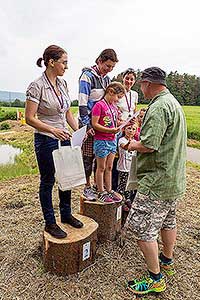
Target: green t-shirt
(162,173)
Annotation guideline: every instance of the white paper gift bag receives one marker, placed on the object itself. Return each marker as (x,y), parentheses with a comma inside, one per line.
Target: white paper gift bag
(69,168)
(132,182)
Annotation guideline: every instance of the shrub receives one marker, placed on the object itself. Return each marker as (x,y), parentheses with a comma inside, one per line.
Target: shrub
(9,115)
(5,126)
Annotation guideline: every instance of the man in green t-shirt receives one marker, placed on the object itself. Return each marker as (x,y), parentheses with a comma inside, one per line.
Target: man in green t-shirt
(161,162)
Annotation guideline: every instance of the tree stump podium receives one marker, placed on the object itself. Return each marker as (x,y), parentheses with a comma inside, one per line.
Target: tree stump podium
(107,215)
(73,253)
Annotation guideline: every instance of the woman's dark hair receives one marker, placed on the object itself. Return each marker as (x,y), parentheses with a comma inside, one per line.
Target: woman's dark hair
(107,54)
(52,52)
(129,71)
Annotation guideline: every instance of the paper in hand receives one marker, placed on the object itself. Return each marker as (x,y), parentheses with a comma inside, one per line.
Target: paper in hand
(129,119)
(78,137)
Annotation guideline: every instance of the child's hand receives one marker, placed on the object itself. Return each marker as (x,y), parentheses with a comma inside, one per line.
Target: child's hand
(132,145)
(126,146)
(115,130)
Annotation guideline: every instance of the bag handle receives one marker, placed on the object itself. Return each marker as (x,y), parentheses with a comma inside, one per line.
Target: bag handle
(59,145)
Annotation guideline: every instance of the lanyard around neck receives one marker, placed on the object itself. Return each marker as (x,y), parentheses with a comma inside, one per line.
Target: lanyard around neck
(100,77)
(128,103)
(113,117)
(60,99)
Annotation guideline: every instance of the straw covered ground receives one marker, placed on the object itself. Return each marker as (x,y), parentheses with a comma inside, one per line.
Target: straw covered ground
(22,276)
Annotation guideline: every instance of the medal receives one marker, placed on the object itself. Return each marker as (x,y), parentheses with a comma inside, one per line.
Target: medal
(128,103)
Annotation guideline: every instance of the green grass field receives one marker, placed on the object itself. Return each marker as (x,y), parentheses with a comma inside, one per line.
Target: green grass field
(9,113)
(26,163)
(192,114)
(4,110)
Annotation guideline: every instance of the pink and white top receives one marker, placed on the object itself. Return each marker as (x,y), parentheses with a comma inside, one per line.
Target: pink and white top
(125,156)
(108,114)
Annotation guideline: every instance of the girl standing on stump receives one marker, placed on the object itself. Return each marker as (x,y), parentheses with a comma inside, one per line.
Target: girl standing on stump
(104,122)
(48,97)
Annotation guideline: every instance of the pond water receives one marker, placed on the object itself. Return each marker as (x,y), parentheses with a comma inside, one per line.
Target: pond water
(8,154)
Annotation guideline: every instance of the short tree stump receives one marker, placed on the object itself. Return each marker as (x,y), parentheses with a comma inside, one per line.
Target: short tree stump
(73,253)
(107,215)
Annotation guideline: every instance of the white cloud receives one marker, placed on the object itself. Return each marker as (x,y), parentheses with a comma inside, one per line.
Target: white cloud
(143,33)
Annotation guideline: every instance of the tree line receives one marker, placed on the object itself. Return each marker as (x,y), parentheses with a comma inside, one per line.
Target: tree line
(15,103)
(184,87)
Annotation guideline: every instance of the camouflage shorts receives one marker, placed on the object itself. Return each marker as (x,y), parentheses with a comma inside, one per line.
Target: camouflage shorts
(147,217)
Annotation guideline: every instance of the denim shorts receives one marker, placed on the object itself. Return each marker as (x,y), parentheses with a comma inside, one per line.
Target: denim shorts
(104,148)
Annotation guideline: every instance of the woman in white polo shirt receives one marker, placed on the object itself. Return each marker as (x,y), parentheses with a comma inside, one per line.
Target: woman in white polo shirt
(128,103)
(127,106)
(47,97)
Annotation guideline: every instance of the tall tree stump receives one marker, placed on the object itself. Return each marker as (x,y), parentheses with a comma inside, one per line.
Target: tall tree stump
(107,215)
(73,253)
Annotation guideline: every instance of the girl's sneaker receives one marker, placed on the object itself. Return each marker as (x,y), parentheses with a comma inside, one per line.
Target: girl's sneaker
(105,197)
(115,196)
(90,193)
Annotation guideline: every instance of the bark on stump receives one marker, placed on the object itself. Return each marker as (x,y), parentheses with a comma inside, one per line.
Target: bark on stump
(107,215)
(73,253)
(124,217)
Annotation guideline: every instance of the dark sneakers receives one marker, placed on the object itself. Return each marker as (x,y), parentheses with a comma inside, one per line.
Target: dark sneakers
(73,222)
(55,231)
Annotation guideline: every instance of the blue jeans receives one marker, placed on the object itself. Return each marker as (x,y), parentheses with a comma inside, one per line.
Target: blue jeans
(44,146)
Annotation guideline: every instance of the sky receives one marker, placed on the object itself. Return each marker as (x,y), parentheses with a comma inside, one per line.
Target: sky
(143,33)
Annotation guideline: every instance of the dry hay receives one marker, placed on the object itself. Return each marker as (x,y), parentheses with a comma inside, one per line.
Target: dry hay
(22,276)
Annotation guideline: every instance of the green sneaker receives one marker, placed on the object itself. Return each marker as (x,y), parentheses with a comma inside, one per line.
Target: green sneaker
(146,285)
(167,268)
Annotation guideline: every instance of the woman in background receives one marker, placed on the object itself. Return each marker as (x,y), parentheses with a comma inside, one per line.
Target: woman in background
(47,97)
(92,85)
(127,106)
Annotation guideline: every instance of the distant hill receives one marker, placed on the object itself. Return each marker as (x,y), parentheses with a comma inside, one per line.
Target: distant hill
(11,96)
